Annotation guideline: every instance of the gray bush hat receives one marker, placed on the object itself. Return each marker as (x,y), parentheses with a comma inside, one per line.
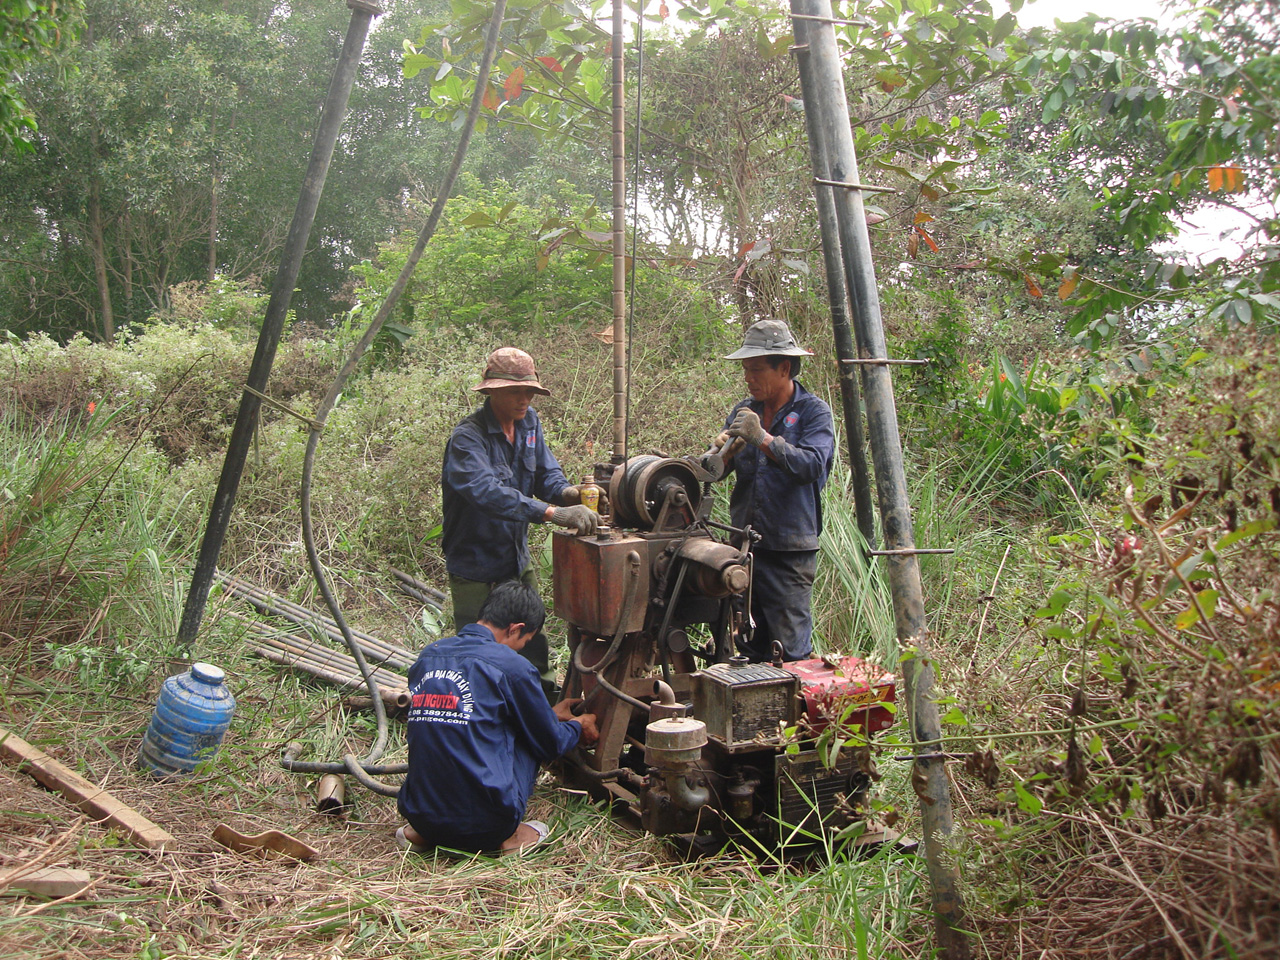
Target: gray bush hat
(768,337)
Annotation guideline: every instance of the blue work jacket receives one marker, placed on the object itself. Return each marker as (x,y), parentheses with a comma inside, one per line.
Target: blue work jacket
(492,490)
(478,726)
(782,500)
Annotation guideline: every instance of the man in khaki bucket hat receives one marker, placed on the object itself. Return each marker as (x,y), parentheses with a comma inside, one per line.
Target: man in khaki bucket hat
(780,442)
(499,476)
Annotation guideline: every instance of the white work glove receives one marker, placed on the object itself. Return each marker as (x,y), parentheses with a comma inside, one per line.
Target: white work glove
(747,426)
(581,520)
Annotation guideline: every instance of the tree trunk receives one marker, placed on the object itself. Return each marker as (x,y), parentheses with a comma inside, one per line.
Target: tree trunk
(213,229)
(127,239)
(213,206)
(100,264)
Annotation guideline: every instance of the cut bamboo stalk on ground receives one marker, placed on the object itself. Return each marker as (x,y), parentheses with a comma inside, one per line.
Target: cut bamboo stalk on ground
(435,597)
(90,798)
(324,665)
(392,696)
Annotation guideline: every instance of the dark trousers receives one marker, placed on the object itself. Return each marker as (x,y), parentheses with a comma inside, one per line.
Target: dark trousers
(488,828)
(781,591)
(469,596)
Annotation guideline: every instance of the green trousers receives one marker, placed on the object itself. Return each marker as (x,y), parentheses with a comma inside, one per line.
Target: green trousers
(469,595)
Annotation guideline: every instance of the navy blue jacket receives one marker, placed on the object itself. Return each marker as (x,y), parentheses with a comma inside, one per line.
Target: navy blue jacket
(783,500)
(492,490)
(478,725)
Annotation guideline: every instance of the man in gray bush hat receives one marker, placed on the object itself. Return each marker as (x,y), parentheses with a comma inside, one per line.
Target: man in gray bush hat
(788,442)
(499,476)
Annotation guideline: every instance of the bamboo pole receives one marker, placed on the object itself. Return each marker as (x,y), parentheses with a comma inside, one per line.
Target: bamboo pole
(831,121)
(417,584)
(267,602)
(837,297)
(326,138)
(304,649)
(391,696)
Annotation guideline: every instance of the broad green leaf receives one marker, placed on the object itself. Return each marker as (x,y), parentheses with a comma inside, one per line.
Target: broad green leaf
(1055,605)
(1250,529)
(1026,801)
(415,63)
(1208,602)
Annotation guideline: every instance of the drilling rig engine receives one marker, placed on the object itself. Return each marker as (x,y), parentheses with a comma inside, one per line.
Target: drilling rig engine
(695,741)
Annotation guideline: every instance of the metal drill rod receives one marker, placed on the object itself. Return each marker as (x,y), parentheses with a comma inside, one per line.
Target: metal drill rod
(848,185)
(620,385)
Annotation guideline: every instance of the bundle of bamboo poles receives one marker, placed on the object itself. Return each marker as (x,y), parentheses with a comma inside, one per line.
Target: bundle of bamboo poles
(376,651)
(307,656)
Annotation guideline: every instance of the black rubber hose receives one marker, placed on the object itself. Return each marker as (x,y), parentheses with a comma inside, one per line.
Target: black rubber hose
(349,763)
(628,597)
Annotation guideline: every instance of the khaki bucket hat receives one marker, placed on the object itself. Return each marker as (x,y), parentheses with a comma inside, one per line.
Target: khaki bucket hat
(510,367)
(768,337)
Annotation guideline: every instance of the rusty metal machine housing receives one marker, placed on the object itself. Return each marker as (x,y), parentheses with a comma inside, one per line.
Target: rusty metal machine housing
(696,742)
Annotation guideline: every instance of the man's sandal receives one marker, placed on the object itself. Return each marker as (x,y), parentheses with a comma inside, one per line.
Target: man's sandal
(404,843)
(542,831)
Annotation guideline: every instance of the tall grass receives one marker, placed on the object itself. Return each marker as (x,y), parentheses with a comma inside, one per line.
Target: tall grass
(87,583)
(598,890)
(968,507)
(853,608)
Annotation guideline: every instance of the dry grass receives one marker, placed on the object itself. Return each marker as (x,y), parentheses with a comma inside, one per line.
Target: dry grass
(1197,886)
(595,889)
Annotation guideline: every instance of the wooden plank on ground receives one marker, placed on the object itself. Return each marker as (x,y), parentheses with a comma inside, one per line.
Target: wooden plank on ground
(90,798)
(43,881)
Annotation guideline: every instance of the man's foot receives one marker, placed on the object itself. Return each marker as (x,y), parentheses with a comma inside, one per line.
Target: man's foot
(409,839)
(528,834)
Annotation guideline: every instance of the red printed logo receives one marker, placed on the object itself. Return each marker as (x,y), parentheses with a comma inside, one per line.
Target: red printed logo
(436,701)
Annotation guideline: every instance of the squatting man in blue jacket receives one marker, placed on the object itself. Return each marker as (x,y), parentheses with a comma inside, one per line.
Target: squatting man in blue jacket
(781,466)
(478,727)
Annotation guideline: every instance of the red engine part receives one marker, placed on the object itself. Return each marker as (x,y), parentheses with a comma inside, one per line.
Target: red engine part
(830,687)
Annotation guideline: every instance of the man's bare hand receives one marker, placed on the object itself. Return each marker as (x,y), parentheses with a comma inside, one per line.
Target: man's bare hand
(590,733)
(564,709)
